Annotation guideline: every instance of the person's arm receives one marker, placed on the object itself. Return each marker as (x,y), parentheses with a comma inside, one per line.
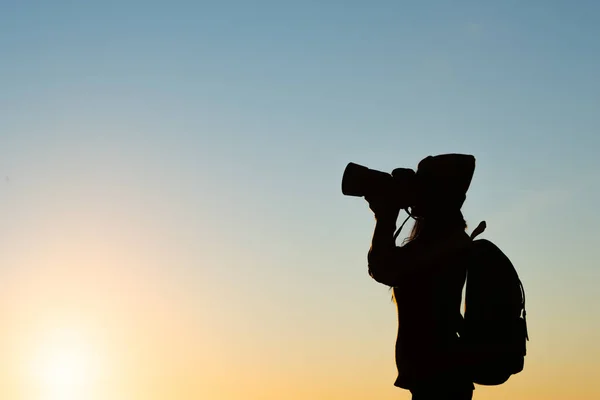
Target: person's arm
(381,258)
(386,260)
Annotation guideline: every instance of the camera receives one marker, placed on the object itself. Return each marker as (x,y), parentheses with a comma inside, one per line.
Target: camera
(440,182)
(360,181)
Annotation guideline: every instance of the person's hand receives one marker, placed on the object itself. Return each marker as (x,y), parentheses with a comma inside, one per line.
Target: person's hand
(384,207)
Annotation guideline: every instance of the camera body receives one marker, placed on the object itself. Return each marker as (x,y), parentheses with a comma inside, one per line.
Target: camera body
(440,182)
(360,181)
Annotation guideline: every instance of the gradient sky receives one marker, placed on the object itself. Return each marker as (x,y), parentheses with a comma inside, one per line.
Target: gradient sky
(170,187)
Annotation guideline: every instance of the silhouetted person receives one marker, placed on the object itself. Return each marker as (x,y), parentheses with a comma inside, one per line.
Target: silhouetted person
(427,274)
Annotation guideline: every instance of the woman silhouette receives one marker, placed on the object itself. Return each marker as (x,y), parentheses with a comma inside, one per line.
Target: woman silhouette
(427,275)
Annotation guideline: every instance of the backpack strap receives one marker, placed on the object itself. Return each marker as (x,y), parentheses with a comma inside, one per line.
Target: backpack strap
(479,230)
(524,311)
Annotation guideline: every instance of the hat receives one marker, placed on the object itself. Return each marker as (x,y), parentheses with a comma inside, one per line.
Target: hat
(443,180)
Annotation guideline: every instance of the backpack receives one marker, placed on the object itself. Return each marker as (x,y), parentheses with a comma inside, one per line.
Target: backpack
(494,331)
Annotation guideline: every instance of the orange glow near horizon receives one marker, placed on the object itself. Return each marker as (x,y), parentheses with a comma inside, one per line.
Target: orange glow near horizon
(115,331)
(102,303)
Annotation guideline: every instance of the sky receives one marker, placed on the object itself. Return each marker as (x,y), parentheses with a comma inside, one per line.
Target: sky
(172,218)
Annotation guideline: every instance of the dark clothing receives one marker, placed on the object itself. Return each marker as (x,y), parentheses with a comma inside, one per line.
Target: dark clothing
(427,280)
(447,386)
(443,394)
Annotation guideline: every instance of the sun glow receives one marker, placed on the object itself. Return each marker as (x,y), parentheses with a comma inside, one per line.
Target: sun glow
(65,366)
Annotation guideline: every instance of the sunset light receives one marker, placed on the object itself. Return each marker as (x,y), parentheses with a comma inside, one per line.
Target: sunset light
(65,366)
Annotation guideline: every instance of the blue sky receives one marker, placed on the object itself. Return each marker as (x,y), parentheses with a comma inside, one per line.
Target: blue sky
(225,128)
